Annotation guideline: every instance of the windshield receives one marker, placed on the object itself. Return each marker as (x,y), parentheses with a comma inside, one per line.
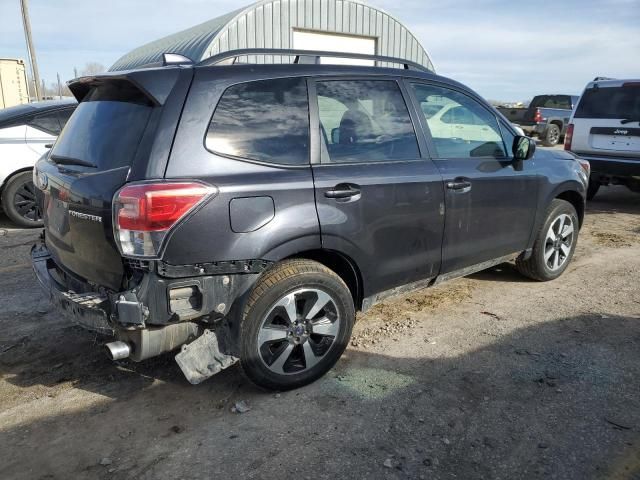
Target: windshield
(610,102)
(106,128)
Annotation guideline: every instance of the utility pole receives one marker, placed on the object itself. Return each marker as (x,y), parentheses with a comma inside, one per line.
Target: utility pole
(30,49)
(59,87)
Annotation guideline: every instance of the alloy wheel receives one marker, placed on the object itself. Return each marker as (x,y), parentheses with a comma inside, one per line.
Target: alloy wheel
(558,242)
(298,331)
(25,203)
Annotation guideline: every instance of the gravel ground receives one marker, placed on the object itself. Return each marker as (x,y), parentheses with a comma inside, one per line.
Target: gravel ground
(491,376)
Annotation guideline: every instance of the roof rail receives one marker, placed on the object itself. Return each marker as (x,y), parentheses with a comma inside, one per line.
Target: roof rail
(597,79)
(305,57)
(168,59)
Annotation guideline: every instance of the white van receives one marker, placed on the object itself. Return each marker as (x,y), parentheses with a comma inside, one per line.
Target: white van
(605,130)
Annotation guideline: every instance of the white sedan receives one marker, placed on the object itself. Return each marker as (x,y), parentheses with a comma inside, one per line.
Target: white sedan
(26,133)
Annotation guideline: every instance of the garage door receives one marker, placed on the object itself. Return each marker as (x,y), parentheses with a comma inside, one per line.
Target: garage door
(305,40)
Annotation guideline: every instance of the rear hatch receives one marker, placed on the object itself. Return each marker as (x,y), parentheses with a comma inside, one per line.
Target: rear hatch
(607,121)
(111,131)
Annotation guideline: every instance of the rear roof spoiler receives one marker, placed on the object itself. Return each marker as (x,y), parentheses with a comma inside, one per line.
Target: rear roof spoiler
(156,83)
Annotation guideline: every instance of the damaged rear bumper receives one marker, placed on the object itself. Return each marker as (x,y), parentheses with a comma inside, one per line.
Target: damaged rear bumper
(88,310)
(156,316)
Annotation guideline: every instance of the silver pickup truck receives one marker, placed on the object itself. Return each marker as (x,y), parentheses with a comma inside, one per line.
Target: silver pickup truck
(546,117)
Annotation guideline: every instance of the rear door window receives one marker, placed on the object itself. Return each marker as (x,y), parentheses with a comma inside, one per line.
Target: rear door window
(364,121)
(107,126)
(610,102)
(265,120)
(46,122)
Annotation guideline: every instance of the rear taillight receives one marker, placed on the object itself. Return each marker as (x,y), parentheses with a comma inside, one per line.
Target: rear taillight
(538,116)
(568,137)
(143,214)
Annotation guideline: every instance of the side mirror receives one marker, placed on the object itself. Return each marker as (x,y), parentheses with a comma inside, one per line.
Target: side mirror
(523,148)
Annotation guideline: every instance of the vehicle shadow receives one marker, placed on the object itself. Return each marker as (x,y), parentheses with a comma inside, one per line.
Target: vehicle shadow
(505,272)
(70,356)
(5,223)
(554,400)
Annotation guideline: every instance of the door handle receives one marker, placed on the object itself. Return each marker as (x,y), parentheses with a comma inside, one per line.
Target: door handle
(459,185)
(343,190)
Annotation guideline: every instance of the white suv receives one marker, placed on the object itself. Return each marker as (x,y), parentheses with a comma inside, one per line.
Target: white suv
(605,130)
(26,132)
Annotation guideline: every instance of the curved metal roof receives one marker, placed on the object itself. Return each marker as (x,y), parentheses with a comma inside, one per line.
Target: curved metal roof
(270,23)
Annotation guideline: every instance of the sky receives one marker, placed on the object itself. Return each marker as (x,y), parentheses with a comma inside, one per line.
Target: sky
(505,50)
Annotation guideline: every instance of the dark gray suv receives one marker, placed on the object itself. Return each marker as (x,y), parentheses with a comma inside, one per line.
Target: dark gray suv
(245,212)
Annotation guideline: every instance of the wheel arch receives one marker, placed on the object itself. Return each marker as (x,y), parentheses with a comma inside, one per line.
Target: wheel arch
(13,174)
(572,191)
(575,199)
(344,266)
(557,123)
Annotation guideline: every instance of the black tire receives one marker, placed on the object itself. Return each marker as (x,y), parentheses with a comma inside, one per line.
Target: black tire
(19,201)
(592,189)
(284,280)
(536,267)
(551,136)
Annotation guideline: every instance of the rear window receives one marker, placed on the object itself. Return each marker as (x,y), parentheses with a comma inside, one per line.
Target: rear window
(610,102)
(106,127)
(552,101)
(265,120)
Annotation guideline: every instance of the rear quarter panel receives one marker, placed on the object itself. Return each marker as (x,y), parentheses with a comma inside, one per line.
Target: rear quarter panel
(207,236)
(556,115)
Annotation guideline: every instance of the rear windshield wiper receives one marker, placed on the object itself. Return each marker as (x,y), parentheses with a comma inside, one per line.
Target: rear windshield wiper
(60,160)
(630,120)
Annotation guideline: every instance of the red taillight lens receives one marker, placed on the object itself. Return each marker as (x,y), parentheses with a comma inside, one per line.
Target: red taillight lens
(144,213)
(538,116)
(156,207)
(568,137)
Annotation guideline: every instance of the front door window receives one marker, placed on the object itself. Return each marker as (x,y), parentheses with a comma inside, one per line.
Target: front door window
(460,127)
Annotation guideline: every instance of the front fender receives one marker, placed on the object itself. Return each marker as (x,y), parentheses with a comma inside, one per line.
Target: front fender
(560,176)
(567,188)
